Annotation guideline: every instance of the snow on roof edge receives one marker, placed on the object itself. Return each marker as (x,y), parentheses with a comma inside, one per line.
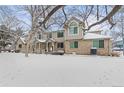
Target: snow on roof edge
(95,36)
(23,40)
(41,40)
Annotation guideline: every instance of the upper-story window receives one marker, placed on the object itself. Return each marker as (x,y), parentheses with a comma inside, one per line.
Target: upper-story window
(50,35)
(73,28)
(60,34)
(39,36)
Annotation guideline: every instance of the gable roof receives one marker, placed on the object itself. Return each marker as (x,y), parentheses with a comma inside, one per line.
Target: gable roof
(41,40)
(73,18)
(93,31)
(95,36)
(50,40)
(23,40)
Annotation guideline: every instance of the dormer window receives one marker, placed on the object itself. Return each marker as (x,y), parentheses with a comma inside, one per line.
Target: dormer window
(73,28)
(50,35)
(39,36)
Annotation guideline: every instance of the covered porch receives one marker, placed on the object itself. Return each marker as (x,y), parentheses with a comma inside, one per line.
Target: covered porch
(45,46)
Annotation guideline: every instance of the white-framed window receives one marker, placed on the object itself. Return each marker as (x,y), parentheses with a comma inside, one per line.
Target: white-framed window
(60,34)
(73,28)
(74,44)
(98,43)
(50,35)
(39,36)
(60,45)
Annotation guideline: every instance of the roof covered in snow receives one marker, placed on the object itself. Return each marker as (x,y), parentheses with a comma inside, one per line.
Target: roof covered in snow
(74,18)
(50,40)
(95,31)
(95,36)
(23,40)
(118,39)
(41,40)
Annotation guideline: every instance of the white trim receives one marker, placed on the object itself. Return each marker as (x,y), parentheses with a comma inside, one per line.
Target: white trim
(23,40)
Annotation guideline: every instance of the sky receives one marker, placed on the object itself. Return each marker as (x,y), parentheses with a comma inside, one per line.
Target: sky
(69,9)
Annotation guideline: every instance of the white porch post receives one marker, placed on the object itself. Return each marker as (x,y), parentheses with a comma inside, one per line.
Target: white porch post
(39,47)
(46,46)
(53,46)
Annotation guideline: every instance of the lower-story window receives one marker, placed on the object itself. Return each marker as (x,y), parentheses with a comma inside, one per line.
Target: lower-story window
(74,44)
(60,45)
(98,43)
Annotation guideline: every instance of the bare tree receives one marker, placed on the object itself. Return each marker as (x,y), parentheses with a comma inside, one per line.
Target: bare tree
(39,15)
(43,16)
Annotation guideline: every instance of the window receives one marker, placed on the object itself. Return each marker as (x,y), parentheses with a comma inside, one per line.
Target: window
(50,35)
(73,29)
(60,34)
(39,36)
(74,44)
(20,45)
(98,43)
(60,45)
(101,43)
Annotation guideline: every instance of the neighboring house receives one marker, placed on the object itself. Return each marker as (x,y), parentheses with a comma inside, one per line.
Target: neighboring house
(20,46)
(118,44)
(72,39)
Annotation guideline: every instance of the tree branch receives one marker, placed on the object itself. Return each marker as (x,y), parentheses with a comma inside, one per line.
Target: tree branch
(50,14)
(113,12)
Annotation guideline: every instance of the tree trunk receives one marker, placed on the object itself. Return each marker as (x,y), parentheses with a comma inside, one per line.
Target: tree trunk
(27,49)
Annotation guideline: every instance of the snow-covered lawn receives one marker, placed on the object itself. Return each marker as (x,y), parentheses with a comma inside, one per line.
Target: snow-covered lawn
(55,70)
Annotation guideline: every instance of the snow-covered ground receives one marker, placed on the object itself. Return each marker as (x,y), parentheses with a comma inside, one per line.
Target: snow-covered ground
(56,70)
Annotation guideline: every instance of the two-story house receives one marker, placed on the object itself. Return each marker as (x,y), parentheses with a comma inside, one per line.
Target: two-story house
(72,39)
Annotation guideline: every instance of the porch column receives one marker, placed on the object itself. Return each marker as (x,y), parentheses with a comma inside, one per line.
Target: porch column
(46,46)
(39,47)
(53,46)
